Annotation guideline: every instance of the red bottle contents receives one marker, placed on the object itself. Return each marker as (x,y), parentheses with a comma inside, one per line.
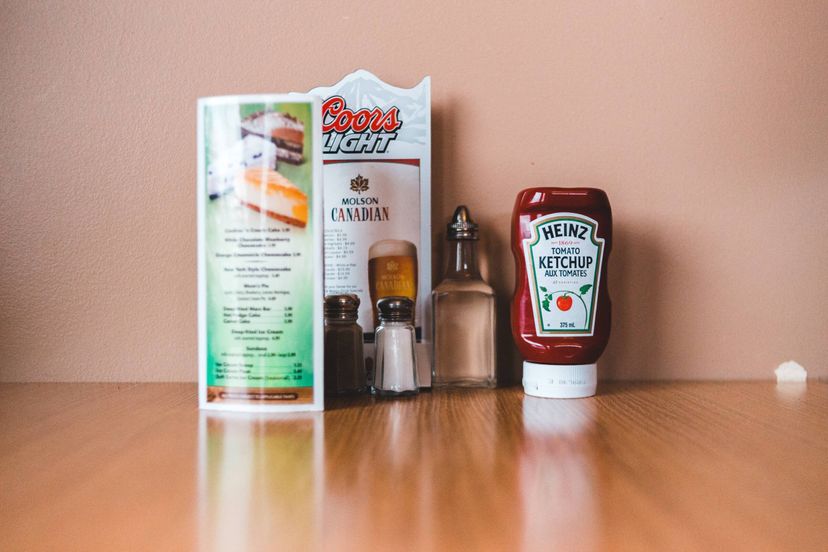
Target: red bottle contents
(561,240)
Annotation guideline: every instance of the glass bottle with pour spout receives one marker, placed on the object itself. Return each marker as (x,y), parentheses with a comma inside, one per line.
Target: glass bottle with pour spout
(463,313)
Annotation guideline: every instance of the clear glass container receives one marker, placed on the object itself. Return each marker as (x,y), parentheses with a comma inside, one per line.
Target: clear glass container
(463,310)
(395,364)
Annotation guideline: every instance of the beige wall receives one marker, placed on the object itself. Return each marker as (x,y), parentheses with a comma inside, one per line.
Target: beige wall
(706,122)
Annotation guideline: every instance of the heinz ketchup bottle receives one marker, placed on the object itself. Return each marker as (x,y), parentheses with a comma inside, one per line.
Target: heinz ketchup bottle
(561,240)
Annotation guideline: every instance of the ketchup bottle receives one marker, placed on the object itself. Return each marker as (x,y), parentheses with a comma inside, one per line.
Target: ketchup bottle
(561,240)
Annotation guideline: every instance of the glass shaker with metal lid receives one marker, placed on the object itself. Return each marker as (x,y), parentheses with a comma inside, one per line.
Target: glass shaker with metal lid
(344,365)
(395,366)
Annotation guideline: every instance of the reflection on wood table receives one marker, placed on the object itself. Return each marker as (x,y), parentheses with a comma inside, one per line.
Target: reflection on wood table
(657,466)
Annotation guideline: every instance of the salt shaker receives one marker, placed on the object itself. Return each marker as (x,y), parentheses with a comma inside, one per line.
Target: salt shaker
(344,365)
(395,366)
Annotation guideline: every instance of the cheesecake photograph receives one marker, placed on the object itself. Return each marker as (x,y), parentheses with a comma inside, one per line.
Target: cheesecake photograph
(267,191)
(256,161)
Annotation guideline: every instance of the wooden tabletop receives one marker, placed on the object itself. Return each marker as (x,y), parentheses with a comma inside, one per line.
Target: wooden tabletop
(641,466)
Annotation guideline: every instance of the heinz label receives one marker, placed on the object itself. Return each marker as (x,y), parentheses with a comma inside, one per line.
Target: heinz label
(563,263)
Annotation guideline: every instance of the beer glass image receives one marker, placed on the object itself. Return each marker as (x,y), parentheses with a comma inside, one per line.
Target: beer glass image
(392,271)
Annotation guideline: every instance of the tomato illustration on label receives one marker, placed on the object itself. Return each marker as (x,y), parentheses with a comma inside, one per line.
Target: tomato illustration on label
(563,299)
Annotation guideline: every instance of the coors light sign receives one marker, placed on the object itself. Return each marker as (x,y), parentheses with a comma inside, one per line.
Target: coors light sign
(377,198)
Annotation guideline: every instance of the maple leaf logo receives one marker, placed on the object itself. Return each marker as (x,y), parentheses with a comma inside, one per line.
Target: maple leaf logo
(359,184)
(392,266)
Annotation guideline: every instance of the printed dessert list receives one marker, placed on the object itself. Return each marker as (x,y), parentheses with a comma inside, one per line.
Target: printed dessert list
(258,250)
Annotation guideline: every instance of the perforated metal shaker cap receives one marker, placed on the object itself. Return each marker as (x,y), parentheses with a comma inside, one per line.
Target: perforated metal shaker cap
(341,307)
(395,309)
(462,227)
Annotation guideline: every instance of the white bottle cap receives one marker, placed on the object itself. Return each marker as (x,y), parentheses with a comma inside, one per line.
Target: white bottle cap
(560,381)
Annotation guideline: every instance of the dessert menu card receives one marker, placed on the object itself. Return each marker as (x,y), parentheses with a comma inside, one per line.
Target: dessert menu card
(260,252)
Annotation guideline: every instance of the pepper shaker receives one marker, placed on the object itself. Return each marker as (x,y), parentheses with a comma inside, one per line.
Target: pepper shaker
(344,365)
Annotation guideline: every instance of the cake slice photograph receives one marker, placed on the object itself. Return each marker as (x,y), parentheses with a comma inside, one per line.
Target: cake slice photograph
(257,163)
(267,191)
(285,131)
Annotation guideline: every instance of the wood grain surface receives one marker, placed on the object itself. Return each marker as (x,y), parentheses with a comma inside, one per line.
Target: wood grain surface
(669,466)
